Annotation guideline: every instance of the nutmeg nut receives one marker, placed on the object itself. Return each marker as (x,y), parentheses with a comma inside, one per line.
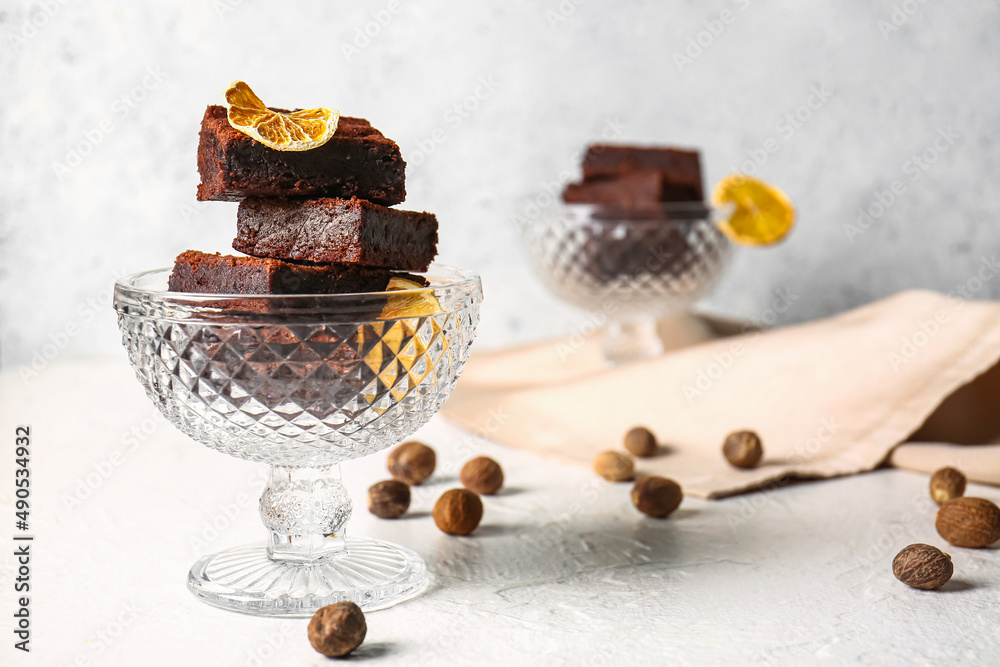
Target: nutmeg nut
(337,629)
(640,442)
(482,475)
(743,449)
(412,462)
(656,496)
(458,512)
(923,566)
(969,522)
(947,484)
(388,499)
(614,466)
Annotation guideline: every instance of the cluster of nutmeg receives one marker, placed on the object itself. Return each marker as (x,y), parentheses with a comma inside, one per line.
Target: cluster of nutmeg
(659,496)
(338,629)
(965,522)
(457,511)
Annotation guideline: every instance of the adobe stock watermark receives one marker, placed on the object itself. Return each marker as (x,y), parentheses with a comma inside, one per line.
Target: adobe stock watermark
(212,527)
(34,23)
(447,639)
(911,345)
(593,322)
(751,504)
(887,539)
(57,341)
(104,468)
(188,211)
(914,169)
(105,636)
(655,261)
(563,11)
(786,126)
(224,7)
(270,644)
(453,118)
(364,34)
(121,108)
(989,268)
(899,16)
(553,531)
(551,193)
(467,448)
(927,329)
(723,361)
(703,40)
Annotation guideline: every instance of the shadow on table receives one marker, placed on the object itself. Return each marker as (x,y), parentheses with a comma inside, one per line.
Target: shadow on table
(957,586)
(370,651)
(510,491)
(506,553)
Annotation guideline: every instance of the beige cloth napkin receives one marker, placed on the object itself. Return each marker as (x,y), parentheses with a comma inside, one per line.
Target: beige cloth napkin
(828,398)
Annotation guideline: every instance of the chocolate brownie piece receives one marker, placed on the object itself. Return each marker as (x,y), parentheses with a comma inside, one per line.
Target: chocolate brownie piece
(336,230)
(680,169)
(639,189)
(357,161)
(205,273)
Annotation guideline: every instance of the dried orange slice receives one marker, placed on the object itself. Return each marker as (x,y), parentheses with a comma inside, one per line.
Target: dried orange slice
(413,304)
(405,346)
(763,214)
(400,356)
(300,130)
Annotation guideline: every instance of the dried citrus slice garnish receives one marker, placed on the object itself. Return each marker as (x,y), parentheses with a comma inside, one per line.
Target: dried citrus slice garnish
(300,130)
(763,214)
(412,304)
(403,352)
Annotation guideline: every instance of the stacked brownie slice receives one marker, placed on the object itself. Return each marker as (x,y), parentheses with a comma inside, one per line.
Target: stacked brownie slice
(312,222)
(635,178)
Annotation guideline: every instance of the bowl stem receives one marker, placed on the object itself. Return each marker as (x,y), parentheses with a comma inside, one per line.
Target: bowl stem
(305,511)
(631,340)
(308,562)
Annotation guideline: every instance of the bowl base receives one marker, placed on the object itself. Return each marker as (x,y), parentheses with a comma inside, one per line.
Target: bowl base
(631,340)
(370,573)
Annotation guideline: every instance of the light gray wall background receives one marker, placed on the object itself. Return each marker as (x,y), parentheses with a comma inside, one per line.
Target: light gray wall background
(100,104)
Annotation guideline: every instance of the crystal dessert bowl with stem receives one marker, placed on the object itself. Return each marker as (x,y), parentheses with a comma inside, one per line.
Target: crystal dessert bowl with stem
(300,383)
(630,267)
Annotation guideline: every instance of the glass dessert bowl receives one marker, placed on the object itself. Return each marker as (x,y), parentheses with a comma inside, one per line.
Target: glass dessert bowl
(300,383)
(632,267)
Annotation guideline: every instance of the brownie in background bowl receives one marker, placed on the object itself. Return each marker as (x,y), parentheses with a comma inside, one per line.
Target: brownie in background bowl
(637,177)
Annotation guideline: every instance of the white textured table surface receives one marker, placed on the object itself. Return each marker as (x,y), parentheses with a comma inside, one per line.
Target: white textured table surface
(562,571)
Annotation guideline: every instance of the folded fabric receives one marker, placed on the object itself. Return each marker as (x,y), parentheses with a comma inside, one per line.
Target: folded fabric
(828,398)
(979,463)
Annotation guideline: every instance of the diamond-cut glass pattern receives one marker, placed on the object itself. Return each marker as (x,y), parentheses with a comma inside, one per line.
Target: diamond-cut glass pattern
(300,382)
(647,268)
(299,395)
